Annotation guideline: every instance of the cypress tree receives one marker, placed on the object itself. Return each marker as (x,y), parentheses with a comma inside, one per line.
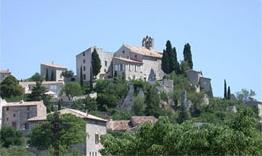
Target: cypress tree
(96,63)
(174,62)
(81,76)
(166,59)
(228,93)
(165,62)
(225,89)
(188,55)
(46,75)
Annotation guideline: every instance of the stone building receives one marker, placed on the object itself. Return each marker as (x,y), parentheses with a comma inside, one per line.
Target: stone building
(4,74)
(15,114)
(83,64)
(52,72)
(133,62)
(52,86)
(199,82)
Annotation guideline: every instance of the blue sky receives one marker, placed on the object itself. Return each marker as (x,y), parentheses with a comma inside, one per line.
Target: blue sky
(225,35)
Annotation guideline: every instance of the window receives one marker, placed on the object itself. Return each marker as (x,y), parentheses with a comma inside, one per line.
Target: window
(96,138)
(13,115)
(135,68)
(95,153)
(123,51)
(84,68)
(105,70)
(106,63)
(136,56)
(28,108)
(84,61)
(7,119)
(116,67)
(83,53)
(84,76)
(7,108)
(121,67)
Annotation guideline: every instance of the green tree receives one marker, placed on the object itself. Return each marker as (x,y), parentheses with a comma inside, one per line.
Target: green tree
(38,92)
(36,77)
(81,76)
(152,102)
(53,75)
(10,87)
(188,55)
(139,105)
(245,94)
(72,89)
(68,74)
(15,151)
(71,131)
(96,63)
(46,75)
(165,61)
(225,89)
(173,61)
(10,137)
(228,93)
(86,104)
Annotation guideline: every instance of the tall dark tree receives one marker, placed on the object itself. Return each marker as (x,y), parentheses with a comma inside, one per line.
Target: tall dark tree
(53,75)
(166,57)
(225,89)
(81,76)
(228,93)
(46,75)
(10,87)
(174,63)
(96,63)
(188,55)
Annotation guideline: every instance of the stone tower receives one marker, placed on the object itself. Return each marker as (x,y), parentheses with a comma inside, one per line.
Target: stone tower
(148,42)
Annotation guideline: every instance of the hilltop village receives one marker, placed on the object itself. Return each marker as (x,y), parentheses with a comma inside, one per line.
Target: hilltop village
(121,93)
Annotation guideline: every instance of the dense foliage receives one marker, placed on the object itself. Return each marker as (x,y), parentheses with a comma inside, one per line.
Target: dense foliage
(35,77)
(10,137)
(10,87)
(72,89)
(238,137)
(71,131)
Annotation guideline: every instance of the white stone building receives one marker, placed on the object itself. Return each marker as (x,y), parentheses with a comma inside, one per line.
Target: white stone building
(133,62)
(4,74)
(51,86)
(15,114)
(52,72)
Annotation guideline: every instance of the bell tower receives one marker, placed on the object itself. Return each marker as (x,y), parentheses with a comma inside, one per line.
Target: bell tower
(148,42)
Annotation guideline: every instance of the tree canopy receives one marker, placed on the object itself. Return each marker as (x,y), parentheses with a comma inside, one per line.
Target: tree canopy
(188,55)
(96,63)
(71,131)
(10,87)
(36,77)
(10,137)
(72,89)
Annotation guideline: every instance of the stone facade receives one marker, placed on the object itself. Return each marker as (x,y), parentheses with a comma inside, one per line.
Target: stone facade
(133,62)
(52,72)
(53,86)
(83,62)
(4,74)
(16,114)
(199,82)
